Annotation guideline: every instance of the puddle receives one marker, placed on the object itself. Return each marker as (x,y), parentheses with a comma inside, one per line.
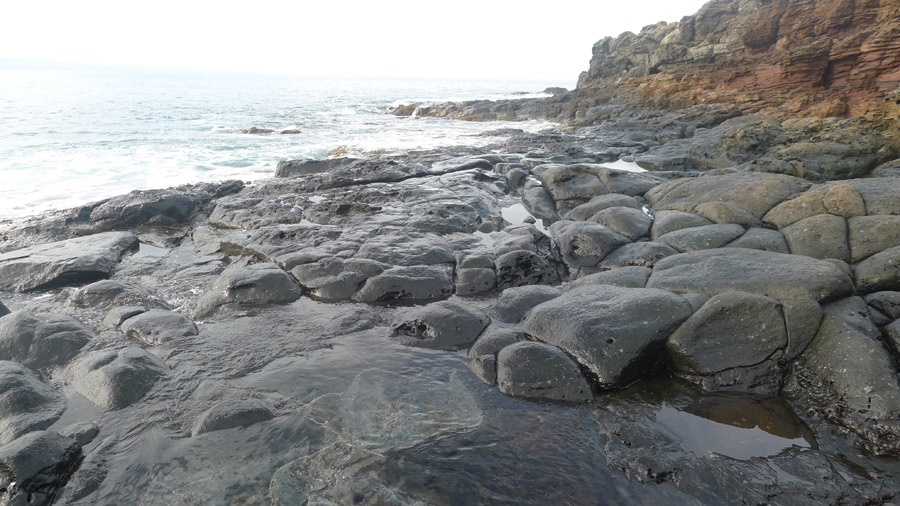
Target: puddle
(149,250)
(738,427)
(517,214)
(623,165)
(485,239)
(315,199)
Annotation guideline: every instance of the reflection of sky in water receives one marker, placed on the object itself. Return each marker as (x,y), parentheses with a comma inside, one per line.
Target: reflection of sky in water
(517,214)
(734,431)
(623,165)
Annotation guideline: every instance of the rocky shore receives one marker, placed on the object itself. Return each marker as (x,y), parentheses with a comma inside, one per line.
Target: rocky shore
(668,304)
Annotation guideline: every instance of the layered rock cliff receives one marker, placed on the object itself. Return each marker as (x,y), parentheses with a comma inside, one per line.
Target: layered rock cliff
(780,57)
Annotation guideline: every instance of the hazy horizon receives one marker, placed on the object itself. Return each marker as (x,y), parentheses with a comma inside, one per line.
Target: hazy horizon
(397,39)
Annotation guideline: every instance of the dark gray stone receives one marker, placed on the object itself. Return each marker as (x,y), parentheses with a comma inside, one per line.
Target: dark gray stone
(886,302)
(407,249)
(670,221)
(228,414)
(475,281)
(416,283)
(599,203)
(441,325)
(493,340)
(26,403)
(630,222)
(849,378)
(117,315)
(880,272)
(821,236)
(43,339)
(35,466)
(585,244)
(869,235)
(520,268)
(484,367)
(617,334)
(540,371)
(776,275)
(641,254)
(114,379)
(701,238)
(108,293)
(292,168)
(74,261)
(83,433)
(254,284)
(625,277)
(739,334)
(761,238)
(539,202)
(334,279)
(3,310)
(158,326)
(515,302)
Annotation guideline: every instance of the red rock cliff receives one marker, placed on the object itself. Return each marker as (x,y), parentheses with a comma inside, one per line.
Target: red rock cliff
(788,58)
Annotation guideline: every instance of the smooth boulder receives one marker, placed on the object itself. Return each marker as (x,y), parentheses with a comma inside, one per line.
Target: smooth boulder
(540,371)
(416,283)
(777,275)
(441,325)
(263,283)
(41,340)
(617,334)
(515,302)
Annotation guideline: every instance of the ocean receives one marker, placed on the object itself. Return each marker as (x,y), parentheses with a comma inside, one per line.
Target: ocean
(69,137)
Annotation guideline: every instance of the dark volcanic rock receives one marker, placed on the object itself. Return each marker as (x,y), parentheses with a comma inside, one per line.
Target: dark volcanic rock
(35,466)
(158,326)
(169,207)
(821,236)
(670,221)
(625,277)
(780,276)
(74,261)
(885,302)
(761,238)
(114,379)
(441,325)
(848,378)
(640,254)
(520,268)
(41,340)
(734,342)
(292,168)
(515,302)
(108,293)
(630,222)
(599,203)
(3,310)
(26,403)
(416,283)
(700,238)
(585,244)
(540,371)
(616,334)
(262,283)
(334,279)
(879,272)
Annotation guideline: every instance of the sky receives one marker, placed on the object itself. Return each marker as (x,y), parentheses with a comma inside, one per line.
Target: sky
(468,39)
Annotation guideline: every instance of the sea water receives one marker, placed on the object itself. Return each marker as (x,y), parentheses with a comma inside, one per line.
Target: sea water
(72,136)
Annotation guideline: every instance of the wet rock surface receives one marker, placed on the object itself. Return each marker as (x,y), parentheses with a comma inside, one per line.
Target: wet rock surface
(717,330)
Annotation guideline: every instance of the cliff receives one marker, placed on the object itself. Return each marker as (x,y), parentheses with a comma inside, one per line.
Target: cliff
(785,58)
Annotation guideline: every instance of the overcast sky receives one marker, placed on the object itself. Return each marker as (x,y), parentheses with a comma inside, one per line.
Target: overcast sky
(397,38)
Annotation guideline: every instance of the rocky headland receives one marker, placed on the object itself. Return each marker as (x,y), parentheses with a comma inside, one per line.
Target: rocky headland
(689,293)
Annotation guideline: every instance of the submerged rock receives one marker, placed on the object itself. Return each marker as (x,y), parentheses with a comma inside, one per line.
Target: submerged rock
(114,379)
(43,339)
(74,261)
(228,414)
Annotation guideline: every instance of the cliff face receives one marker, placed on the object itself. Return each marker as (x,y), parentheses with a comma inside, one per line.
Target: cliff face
(787,58)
